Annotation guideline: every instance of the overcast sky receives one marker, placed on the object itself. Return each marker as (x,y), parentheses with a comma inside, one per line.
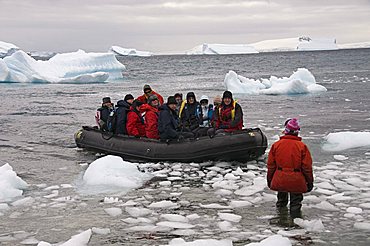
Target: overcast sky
(174,25)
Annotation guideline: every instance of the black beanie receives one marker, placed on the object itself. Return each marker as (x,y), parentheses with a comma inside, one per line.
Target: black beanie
(128,97)
(190,94)
(137,103)
(171,100)
(227,94)
(106,100)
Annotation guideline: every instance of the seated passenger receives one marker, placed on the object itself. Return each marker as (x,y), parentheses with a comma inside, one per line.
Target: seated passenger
(229,115)
(217,100)
(122,109)
(168,121)
(151,117)
(147,92)
(103,113)
(190,113)
(178,98)
(135,121)
(206,111)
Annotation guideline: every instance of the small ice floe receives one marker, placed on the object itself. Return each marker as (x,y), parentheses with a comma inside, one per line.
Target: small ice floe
(354,210)
(310,225)
(100,231)
(259,184)
(110,174)
(25,202)
(226,226)
(165,183)
(81,239)
(175,218)
(362,205)
(239,204)
(164,205)
(111,200)
(340,157)
(362,226)
(175,224)
(113,211)
(183,232)
(193,216)
(11,185)
(275,240)
(339,141)
(138,212)
(200,242)
(214,206)
(53,187)
(324,205)
(230,217)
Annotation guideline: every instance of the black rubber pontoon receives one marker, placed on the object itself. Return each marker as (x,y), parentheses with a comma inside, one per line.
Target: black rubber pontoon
(243,146)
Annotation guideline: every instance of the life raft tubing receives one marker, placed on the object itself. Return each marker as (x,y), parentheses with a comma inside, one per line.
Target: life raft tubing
(242,146)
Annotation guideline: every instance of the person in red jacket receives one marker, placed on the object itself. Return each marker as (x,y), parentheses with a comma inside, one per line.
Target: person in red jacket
(147,93)
(290,168)
(229,115)
(135,122)
(151,117)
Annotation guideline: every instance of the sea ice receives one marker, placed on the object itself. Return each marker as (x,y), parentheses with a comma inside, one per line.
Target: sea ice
(354,210)
(362,226)
(324,205)
(175,218)
(164,204)
(11,185)
(230,217)
(340,157)
(339,141)
(300,82)
(221,49)
(113,211)
(310,225)
(75,67)
(81,239)
(112,174)
(200,242)
(175,224)
(138,212)
(129,51)
(275,240)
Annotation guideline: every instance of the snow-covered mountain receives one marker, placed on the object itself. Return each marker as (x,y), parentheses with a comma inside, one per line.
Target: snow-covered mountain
(221,49)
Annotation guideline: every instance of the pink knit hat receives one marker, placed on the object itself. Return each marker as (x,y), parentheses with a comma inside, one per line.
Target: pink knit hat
(292,126)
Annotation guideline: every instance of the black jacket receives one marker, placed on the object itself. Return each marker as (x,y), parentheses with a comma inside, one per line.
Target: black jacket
(122,109)
(191,115)
(167,123)
(104,113)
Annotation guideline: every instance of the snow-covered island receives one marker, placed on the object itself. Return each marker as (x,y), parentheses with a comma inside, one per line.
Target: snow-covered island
(129,51)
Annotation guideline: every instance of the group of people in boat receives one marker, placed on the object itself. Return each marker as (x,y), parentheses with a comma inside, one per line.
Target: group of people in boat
(149,116)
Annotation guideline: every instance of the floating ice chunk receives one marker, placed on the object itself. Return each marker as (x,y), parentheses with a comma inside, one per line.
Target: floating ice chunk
(239,204)
(164,204)
(27,201)
(111,200)
(226,226)
(4,206)
(183,232)
(146,228)
(362,205)
(292,233)
(275,240)
(100,231)
(214,205)
(175,217)
(325,185)
(300,82)
(324,205)
(310,225)
(340,157)
(193,216)
(339,197)
(138,212)
(230,217)
(362,226)
(200,242)
(324,191)
(223,192)
(11,185)
(81,239)
(113,211)
(175,224)
(165,183)
(312,199)
(259,184)
(354,210)
(346,140)
(75,67)
(111,174)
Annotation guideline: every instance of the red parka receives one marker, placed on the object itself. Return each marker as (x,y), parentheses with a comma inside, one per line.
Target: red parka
(135,124)
(144,98)
(289,165)
(150,121)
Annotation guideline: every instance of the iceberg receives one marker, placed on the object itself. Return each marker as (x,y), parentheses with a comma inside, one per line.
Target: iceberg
(300,82)
(6,49)
(74,67)
(129,52)
(303,43)
(11,185)
(339,141)
(362,45)
(221,49)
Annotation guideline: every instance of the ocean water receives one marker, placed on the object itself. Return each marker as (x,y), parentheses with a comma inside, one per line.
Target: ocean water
(38,122)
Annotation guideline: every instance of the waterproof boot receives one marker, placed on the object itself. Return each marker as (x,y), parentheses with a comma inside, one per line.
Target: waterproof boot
(282,199)
(296,205)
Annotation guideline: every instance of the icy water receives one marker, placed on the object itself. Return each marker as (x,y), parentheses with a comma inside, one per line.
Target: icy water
(38,122)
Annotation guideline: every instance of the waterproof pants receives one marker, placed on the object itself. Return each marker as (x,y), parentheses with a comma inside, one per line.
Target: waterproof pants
(295,201)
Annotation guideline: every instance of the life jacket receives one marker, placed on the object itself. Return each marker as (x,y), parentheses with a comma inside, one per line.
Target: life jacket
(232,111)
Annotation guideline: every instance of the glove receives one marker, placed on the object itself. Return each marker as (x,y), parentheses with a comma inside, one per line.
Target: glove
(309,187)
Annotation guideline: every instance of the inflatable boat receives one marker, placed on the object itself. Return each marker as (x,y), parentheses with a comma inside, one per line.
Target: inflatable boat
(242,146)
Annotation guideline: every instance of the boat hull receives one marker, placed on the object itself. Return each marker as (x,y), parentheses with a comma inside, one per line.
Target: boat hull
(246,145)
